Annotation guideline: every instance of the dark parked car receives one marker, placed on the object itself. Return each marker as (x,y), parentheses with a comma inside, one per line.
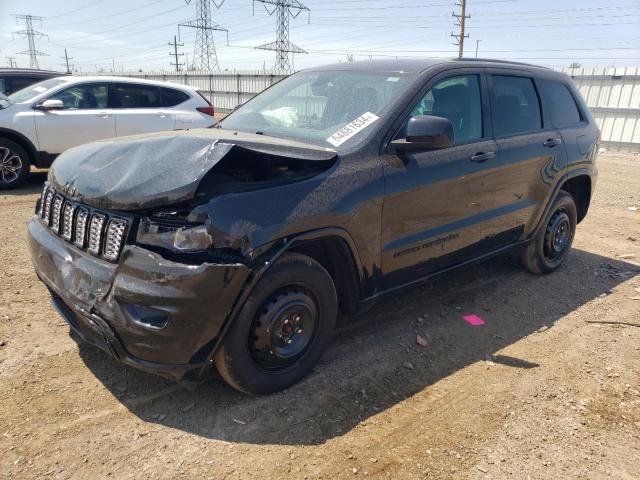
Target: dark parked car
(14,79)
(237,246)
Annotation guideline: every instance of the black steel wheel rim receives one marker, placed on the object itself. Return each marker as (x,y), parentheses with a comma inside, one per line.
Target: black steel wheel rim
(284,328)
(557,235)
(10,165)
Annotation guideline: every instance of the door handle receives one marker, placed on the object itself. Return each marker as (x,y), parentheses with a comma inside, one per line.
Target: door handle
(103,115)
(552,142)
(483,157)
(162,114)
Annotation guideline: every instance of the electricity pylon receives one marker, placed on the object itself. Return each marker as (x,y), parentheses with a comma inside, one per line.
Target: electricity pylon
(30,34)
(285,9)
(204,53)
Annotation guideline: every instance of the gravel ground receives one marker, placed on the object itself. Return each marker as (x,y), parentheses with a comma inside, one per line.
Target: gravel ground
(546,389)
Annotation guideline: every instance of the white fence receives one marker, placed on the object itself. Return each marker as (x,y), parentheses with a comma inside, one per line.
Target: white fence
(613,95)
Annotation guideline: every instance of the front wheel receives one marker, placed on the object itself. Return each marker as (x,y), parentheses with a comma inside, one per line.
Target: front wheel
(549,248)
(14,164)
(282,329)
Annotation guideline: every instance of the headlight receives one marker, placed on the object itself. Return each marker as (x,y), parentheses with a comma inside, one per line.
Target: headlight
(182,238)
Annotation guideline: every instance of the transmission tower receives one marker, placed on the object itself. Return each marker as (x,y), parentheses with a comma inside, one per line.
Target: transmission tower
(12,62)
(285,10)
(30,34)
(461,17)
(204,53)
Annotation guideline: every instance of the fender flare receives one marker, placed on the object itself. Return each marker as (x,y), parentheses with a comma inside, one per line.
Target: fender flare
(285,245)
(556,190)
(24,141)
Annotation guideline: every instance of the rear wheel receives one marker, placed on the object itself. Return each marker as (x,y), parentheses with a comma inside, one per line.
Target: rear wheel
(14,164)
(282,329)
(549,248)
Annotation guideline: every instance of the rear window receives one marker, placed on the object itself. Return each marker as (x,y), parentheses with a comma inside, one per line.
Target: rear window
(516,106)
(171,97)
(560,103)
(130,95)
(18,83)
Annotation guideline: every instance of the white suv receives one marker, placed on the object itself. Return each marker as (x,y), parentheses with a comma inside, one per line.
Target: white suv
(43,120)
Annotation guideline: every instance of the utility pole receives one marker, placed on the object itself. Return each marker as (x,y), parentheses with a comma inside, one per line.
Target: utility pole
(461,17)
(66,60)
(30,34)
(175,53)
(285,9)
(477,43)
(12,62)
(204,54)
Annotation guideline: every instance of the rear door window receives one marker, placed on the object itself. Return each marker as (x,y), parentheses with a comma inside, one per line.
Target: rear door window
(130,95)
(171,97)
(560,102)
(516,106)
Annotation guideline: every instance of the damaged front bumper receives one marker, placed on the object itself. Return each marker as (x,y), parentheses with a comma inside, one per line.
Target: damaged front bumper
(146,311)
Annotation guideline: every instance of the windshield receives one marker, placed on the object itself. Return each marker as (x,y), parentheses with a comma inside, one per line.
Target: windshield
(322,108)
(32,91)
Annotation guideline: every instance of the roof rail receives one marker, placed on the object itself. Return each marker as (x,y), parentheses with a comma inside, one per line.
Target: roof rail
(494,60)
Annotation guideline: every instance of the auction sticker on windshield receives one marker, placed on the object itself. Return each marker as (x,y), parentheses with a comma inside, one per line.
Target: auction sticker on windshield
(352,128)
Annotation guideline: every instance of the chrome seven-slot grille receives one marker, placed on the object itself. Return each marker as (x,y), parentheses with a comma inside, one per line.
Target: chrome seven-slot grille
(93,231)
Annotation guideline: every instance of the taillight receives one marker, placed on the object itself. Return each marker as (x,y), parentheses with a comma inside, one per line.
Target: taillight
(208,110)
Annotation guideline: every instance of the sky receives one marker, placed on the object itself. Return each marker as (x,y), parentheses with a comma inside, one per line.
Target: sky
(134,34)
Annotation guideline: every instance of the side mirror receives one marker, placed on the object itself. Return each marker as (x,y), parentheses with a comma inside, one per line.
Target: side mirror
(424,133)
(51,104)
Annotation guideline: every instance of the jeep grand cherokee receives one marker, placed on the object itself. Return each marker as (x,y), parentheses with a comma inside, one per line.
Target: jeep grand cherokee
(237,246)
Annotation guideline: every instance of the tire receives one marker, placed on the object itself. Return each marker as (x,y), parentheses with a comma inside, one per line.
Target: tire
(549,248)
(14,164)
(282,329)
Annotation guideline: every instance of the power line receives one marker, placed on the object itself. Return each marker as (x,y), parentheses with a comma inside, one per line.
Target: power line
(282,46)
(70,12)
(102,17)
(30,34)
(175,53)
(204,53)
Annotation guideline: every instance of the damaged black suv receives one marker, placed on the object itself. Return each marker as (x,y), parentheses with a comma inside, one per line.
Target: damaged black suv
(236,246)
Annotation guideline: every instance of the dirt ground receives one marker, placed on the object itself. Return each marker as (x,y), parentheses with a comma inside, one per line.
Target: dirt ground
(546,389)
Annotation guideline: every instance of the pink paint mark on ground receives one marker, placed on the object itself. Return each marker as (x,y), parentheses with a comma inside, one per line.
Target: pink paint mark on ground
(474,320)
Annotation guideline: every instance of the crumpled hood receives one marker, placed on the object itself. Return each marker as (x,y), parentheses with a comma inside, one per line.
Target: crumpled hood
(138,172)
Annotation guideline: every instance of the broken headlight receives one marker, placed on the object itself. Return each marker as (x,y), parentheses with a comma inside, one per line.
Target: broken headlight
(173,236)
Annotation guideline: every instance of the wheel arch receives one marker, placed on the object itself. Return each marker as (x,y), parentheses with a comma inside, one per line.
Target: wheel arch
(338,256)
(579,187)
(23,141)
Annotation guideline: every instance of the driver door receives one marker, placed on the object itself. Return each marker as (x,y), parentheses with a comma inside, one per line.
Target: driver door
(84,118)
(441,207)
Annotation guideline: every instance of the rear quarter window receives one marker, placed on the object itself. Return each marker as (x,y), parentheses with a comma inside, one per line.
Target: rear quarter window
(560,103)
(170,97)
